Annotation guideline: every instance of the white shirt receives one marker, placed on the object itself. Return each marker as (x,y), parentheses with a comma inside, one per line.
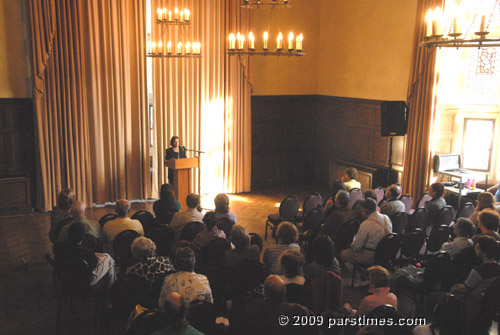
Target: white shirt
(189,215)
(372,231)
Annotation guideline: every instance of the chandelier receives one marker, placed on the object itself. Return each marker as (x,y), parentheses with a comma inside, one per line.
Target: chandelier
(464,24)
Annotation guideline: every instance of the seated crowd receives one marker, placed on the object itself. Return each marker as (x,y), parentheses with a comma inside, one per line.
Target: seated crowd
(206,265)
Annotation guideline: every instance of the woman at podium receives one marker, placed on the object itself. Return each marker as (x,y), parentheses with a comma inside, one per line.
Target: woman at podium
(175,151)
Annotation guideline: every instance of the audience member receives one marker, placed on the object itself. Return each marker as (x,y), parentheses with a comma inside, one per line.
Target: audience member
(203,238)
(192,286)
(175,308)
(448,318)
(114,227)
(243,250)
(192,214)
(323,258)
(292,263)
(379,279)
(222,207)
(166,206)
(287,236)
(393,204)
(479,278)
(485,200)
(337,186)
(349,179)
(464,229)
(91,227)
(101,265)
(489,221)
(339,214)
(437,202)
(61,214)
(148,265)
(371,231)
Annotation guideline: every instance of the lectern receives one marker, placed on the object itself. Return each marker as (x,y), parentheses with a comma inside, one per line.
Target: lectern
(183,176)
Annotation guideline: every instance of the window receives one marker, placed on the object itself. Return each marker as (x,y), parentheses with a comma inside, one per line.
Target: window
(477,144)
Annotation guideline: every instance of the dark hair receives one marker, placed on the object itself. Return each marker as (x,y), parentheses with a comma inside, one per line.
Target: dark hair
(488,245)
(255,239)
(172,140)
(240,237)
(323,250)
(287,233)
(379,276)
(221,202)
(465,227)
(76,232)
(352,173)
(210,220)
(167,201)
(369,204)
(489,219)
(370,194)
(65,198)
(449,315)
(394,190)
(337,185)
(176,314)
(343,197)
(439,189)
(184,259)
(292,262)
(193,200)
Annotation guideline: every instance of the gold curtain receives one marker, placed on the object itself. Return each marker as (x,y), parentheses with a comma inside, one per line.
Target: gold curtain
(206,102)
(90,101)
(421,99)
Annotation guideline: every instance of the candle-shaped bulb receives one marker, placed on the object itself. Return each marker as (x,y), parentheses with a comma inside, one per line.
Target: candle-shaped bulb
(187,47)
(482,25)
(148,47)
(290,41)
(231,41)
(176,13)
(251,41)
(437,21)
(266,37)
(181,14)
(160,47)
(187,13)
(279,41)
(153,47)
(298,42)
(164,15)
(159,13)
(242,41)
(428,19)
(169,47)
(179,47)
(170,15)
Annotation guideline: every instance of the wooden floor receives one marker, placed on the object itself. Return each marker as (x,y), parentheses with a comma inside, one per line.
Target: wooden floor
(27,303)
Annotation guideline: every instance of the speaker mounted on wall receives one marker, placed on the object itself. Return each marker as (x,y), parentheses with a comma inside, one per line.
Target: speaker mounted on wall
(393,118)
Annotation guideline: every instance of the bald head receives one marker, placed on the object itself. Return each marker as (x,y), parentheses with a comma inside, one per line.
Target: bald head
(175,310)
(393,191)
(174,299)
(274,288)
(78,209)
(122,207)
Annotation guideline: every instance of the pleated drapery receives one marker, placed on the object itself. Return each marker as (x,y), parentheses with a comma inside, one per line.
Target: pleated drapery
(90,99)
(422,106)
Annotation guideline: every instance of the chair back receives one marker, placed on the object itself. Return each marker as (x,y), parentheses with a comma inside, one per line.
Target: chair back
(147,220)
(295,293)
(121,247)
(313,221)
(214,251)
(437,237)
(380,192)
(464,262)
(423,199)
(74,276)
(444,217)
(257,240)
(92,243)
(386,250)
(233,280)
(399,222)
(148,322)
(201,315)
(408,201)
(324,292)
(163,236)
(312,201)
(126,293)
(355,194)
(412,243)
(226,225)
(189,232)
(438,274)
(419,219)
(345,235)
(289,208)
(106,218)
(466,211)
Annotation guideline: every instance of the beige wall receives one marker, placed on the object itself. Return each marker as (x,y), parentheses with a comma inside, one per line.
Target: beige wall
(356,49)
(13,58)
(287,75)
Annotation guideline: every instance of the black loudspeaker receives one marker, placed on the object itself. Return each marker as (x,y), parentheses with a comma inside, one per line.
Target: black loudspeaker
(393,118)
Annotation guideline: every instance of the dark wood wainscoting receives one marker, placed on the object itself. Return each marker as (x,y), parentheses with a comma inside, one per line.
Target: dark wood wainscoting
(295,139)
(17,151)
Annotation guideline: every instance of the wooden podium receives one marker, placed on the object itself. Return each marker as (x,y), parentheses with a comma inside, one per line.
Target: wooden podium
(183,176)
